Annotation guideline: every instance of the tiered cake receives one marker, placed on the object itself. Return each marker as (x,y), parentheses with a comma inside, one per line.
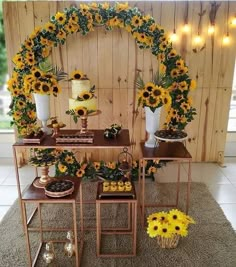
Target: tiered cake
(82,96)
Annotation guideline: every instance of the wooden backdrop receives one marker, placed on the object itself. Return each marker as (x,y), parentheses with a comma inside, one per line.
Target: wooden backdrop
(111,59)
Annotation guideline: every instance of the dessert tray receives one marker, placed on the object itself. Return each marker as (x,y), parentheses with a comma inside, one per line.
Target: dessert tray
(80,138)
(59,188)
(116,190)
(171,136)
(34,139)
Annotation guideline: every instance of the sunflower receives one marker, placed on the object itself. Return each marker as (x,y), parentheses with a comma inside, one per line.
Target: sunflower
(153,228)
(50,27)
(71,27)
(179,63)
(98,18)
(175,215)
(81,111)
(145,94)
(20,104)
(30,61)
(86,96)
(114,22)
(153,102)
(93,6)
(157,91)
(60,18)
(179,228)
(185,106)
(105,6)
(136,21)
(149,86)
(183,70)
(15,92)
(56,89)
(167,100)
(172,53)
(36,86)
(164,230)
(62,168)
(45,52)
(161,216)
(174,73)
(31,114)
(29,43)
(45,87)
(74,18)
(152,217)
(17,59)
(37,73)
(84,9)
(183,85)
(69,159)
(80,173)
(163,46)
(152,170)
(142,37)
(97,165)
(120,7)
(61,35)
(76,75)
(111,165)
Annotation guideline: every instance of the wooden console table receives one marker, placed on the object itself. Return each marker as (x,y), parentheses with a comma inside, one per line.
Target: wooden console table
(169,151)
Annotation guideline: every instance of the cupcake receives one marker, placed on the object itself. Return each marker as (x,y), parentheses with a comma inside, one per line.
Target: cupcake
(106,183)
(121,187)
(113,183)
(128,187)
(120,183)
(106,188)
(127,183)
(113,187)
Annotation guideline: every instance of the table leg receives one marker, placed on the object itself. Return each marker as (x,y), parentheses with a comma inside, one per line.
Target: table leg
(188,187)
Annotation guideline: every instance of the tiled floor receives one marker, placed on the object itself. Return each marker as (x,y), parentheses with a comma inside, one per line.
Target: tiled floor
(221,182)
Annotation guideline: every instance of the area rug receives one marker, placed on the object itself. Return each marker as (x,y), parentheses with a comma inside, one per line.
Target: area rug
(211,242)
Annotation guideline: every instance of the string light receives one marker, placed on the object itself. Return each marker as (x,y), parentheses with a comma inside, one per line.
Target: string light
(198,39)
(233,21)
(226,40)
(211,29)
(186,28)
(174,36)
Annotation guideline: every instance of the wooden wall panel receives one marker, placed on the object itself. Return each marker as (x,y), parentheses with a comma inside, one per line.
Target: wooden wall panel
(111,61)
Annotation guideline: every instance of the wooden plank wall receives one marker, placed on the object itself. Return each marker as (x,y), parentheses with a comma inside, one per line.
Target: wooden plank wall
(110,59)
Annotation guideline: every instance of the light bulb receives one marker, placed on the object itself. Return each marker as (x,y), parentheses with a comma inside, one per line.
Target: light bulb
(226,40)
(186,28)
(174,37)
(233,21)
(211,29)
(198,39)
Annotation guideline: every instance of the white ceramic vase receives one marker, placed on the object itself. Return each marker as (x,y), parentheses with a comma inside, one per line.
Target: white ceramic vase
(152,125)
(42,103)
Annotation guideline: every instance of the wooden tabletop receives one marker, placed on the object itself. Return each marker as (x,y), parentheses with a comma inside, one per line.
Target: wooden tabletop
(33,193)
(122,140)
(166,151)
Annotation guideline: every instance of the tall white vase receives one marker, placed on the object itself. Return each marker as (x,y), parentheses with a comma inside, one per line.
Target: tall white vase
(152,125)
(43,110)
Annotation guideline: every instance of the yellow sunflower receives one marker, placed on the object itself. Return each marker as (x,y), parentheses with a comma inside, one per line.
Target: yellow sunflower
(185,106)
(84,9)
(86,96)
(69,159)
(29,43)
(93,6)
(153,228)
(193,85)
(80,173)
(74,18)
(31,114)
(20,104)
(56,89)
(183,70)
(96,165)
(98,18)
(174,73)
(105,6)
(62,168)
(136,21)
(45,52)
(76,75)
(163,46)
(142,37)
(175,215)
(161,216)
(179,228)
(81,111)
(45,87)
(164,230)
(158,91)
(60,17)
(167,100)
(152,217)
(121,6)
(37,73)
(61,35)
(149,86)
(183,85)
(50,27)
(153,101)
(151,170)
(36,86)
(17,59)
(114,22)
(179,63)
(15,92)
(172,53)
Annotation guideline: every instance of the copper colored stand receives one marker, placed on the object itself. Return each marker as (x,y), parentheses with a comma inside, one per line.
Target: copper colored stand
(38,197)
(170,151)
(130,230)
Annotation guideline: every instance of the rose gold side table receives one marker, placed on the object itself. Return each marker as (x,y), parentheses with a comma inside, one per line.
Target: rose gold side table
(131,216)
(170,151)
(38,197)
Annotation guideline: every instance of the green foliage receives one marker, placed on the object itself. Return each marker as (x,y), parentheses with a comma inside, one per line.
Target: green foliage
(3,57)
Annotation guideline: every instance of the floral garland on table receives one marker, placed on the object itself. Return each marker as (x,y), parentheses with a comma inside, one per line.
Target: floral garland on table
(144,30)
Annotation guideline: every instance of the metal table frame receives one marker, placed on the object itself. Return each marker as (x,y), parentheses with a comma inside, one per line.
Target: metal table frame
(130,230)
(170,151)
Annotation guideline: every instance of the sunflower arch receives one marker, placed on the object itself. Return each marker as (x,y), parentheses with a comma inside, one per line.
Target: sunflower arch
(147,34)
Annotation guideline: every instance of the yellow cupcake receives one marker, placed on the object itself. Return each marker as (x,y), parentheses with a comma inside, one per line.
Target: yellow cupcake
(106,183)
(113,188)
(127,183)
(128,187)
(113,183)
(120,183)
(121,187)
(106,188)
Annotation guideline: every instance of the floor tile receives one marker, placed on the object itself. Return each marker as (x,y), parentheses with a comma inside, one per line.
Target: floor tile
(8,194)
(223,193)
(230,213)
(3,211)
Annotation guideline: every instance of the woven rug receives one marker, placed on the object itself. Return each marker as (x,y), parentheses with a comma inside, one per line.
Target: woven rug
(211,242)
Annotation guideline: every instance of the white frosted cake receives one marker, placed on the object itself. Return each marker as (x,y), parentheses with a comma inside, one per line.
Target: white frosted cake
(82,96)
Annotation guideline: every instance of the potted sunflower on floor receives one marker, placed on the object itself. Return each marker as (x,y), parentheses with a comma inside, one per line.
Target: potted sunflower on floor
(168,227)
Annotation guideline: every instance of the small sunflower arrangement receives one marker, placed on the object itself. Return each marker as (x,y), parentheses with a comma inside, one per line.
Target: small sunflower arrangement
(168,227)
(153,94)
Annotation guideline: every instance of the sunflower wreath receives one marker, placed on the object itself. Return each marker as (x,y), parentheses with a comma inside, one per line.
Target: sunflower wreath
(147,34)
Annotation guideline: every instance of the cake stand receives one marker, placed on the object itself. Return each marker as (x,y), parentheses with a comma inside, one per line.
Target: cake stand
(84,122)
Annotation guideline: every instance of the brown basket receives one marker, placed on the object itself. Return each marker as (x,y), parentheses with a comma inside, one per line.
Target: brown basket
(164,242)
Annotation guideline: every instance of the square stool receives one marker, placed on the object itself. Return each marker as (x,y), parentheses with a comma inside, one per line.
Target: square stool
(117,198)
(38,197)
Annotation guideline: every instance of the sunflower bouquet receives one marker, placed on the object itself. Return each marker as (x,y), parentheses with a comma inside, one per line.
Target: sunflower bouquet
(168,227)
(153,94)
